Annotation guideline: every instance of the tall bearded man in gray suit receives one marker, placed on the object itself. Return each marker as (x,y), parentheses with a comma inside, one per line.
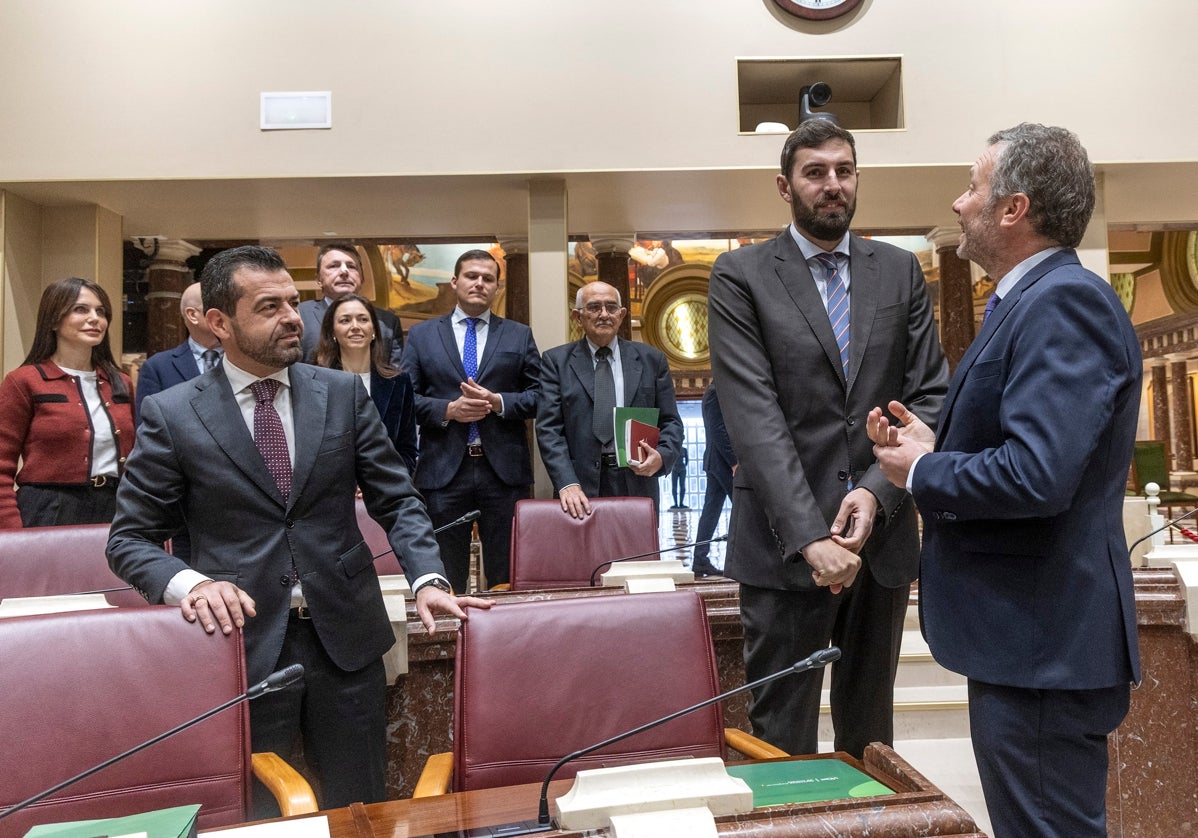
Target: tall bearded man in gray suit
(807,330)
(258,459)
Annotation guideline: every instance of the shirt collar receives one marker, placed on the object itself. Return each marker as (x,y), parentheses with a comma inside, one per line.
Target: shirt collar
(810,249)
(1022,269)
(613,346)
(459,315)
(240,380)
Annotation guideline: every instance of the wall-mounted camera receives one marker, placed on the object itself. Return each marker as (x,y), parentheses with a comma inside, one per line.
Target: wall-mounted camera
(815,96)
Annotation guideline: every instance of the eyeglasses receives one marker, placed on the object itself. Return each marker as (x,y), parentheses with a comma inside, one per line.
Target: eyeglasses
(599,308)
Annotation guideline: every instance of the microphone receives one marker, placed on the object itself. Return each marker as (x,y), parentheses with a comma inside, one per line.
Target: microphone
(1172,523)
(669,549)
(815,661)
(275,681)
(469,517)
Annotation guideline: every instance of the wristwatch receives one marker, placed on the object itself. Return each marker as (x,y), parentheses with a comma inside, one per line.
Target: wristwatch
(435,582)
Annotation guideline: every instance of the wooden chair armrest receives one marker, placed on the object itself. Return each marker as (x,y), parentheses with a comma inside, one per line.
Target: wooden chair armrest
(750,745)
(435,777)
(294,795)
(502,586)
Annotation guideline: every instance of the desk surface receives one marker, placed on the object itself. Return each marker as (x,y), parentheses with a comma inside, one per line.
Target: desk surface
(918,808)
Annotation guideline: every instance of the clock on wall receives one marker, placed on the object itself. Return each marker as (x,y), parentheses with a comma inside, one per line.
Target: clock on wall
(817,9)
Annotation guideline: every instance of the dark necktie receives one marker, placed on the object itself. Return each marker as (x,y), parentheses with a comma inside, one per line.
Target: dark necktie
(605,396)
(269,435)
(209,357)
(991,304)
(838,306)
(470,364)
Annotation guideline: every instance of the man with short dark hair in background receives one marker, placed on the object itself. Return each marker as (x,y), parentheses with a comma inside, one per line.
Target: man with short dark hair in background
(338,272)
(476,376)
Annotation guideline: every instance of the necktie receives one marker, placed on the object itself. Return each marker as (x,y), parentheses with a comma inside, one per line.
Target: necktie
(269,435)
(209,357)
(991,304)
(605,396)
(838,306)
(470,364)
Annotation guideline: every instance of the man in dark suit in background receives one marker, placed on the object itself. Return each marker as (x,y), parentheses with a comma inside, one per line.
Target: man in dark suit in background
(476,378)
(719,463)
(1026,585)
(199,353)
(575,439)
(259,458)
(808,330)
(338,273)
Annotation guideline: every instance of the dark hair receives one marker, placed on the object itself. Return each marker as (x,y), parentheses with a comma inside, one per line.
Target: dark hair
(56,303)
(328,353)
(343,247)
(1051,167)
(217,288)
(812,134)
(475,255)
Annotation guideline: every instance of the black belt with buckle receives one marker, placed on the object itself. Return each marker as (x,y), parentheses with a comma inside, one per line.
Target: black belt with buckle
(302,612)
(609,461)
(474,449)
(101,481)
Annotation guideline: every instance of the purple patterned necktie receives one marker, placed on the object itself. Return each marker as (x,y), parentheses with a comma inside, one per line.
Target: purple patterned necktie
(269,435)
(991,304)
(838,306)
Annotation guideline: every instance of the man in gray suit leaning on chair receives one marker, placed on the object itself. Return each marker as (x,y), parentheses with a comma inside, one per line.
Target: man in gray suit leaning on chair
(258,458)
(806,331)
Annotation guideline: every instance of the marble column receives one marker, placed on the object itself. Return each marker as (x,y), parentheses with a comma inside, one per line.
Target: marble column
(956,295)
(1161,427)
(612,250)
(516,300)
(1183,449)
(166,277)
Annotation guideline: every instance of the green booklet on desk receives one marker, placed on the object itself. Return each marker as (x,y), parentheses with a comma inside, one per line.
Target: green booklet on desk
(805,781)
(179,822)
(630,425)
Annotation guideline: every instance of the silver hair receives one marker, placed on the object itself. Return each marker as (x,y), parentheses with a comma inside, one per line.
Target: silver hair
(1050,166)
(578,295)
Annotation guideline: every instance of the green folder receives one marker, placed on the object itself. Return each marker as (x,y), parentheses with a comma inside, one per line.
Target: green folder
(620,420)
(805,781)
(178,822)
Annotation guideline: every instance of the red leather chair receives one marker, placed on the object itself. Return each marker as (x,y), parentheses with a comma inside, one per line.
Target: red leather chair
(537,680)
(81,687)
(51,561)
(550,549)
(385,563)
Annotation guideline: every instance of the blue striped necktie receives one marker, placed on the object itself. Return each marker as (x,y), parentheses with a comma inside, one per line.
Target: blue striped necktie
(838,306)
(991,304)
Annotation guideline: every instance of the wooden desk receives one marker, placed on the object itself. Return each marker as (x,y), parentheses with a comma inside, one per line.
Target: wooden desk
(918,809)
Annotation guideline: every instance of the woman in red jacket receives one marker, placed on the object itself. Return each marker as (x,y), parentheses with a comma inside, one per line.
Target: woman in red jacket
(67,414)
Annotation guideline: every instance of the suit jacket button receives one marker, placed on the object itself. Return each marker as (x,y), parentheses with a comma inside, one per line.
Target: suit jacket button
(290,524)
(285,581)
(852,421)
(842,475)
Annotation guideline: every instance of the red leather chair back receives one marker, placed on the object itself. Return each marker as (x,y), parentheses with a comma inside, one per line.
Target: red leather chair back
(79,688)
(535,681)
(550,549)
(376,539)
(51,561)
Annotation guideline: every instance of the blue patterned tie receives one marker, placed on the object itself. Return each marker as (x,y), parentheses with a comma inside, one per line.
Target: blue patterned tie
(470,364)
(991,304)
(838,306)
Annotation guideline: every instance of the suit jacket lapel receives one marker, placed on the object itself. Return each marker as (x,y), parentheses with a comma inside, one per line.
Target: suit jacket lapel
(584,368)
(494,336)
(633,367)
(991,326)
(309,406)
(380,391)
(185,363)
(864,279)
(796,278)
(217,410)
(449,343)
